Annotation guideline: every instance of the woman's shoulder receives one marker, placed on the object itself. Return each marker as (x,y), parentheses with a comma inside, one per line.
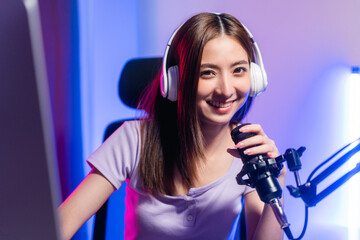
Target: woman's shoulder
(126,136)
(117,158)
(134,123)
(129,127)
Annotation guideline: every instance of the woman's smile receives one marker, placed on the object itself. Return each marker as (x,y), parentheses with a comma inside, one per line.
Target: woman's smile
(221,107)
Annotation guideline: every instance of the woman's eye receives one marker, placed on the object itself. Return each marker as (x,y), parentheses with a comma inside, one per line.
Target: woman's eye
(206,73)
(240,70)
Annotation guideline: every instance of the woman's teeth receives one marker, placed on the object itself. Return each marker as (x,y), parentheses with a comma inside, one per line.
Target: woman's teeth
(220,104)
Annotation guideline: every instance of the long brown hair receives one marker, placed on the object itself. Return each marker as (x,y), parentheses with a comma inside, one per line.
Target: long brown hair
(171,135)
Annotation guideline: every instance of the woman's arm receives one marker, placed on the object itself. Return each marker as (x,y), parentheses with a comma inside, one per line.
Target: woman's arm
(83,202)
(260,219)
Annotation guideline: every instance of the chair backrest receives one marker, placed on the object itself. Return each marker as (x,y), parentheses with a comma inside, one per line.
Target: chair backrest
(135,77)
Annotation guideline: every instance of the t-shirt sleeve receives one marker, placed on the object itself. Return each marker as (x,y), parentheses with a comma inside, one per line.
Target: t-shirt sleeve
(248,190)
(118,156)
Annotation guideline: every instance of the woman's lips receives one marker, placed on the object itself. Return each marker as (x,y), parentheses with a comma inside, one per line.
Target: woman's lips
(221,107)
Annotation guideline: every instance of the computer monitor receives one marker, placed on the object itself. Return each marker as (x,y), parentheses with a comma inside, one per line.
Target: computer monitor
(29,186)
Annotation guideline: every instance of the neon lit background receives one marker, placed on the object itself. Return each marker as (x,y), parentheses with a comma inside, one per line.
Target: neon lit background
(308,48)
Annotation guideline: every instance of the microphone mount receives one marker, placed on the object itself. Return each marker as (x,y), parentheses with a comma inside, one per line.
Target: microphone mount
(308,191)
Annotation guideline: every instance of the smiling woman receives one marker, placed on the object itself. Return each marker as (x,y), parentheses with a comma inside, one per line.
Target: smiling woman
(176,160)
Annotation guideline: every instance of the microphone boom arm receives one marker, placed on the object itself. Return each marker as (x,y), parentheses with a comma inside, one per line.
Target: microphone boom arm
(307,191)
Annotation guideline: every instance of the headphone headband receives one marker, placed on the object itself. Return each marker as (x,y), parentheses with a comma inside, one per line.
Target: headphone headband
(170,75)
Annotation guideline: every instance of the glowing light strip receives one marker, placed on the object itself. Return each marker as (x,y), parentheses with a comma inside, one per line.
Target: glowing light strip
(352,126)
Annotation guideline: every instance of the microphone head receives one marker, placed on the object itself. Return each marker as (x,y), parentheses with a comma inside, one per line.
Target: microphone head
(261,174)
(238,136)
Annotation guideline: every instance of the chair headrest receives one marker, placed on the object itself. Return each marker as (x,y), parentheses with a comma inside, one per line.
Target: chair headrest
(135,77)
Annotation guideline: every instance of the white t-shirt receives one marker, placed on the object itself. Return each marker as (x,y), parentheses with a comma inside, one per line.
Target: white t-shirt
(204,213)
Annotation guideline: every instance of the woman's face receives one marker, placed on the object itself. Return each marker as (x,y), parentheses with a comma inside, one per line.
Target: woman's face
(224,80)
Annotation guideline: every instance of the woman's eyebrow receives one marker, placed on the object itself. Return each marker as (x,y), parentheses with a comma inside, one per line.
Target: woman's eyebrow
(241,62)
(209,65)
(214,66)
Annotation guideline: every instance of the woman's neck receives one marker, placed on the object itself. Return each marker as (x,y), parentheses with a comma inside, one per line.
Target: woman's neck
(216,139)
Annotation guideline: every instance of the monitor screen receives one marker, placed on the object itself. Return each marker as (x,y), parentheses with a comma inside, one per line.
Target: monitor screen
(29,190)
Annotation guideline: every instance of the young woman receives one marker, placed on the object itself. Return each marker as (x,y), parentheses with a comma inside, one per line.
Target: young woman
(179,161)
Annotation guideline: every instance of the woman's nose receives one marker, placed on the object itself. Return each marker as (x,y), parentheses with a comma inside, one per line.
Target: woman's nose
(224,86)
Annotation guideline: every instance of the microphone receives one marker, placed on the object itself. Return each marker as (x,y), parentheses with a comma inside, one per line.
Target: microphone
(261,172)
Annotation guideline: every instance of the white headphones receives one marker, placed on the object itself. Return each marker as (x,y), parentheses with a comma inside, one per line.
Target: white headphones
(169,82)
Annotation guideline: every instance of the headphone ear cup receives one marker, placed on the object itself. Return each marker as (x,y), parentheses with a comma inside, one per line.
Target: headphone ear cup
(173,83)
(163,85)
(258,80)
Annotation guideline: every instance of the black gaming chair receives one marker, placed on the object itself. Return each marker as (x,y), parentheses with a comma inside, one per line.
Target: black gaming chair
(135,76)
